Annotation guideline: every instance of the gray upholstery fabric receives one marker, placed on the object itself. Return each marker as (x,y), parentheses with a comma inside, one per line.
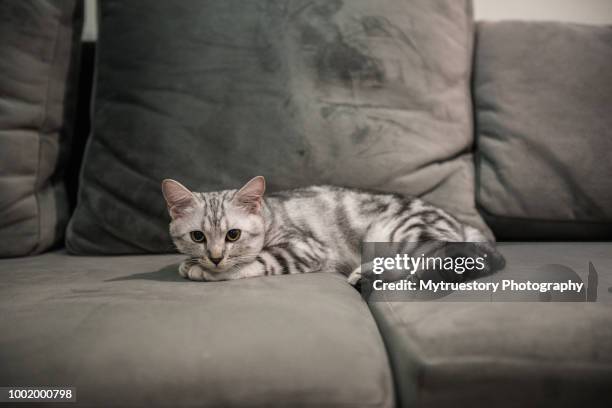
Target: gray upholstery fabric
(128,331)
(39,43)
(528,354)
(543,94)
(355,93)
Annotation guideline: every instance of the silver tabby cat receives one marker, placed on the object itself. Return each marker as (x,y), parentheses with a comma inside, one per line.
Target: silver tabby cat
(235,234)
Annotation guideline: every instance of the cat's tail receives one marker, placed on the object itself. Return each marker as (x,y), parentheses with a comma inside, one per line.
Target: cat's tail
(471,234)
(495,259)
(486,247)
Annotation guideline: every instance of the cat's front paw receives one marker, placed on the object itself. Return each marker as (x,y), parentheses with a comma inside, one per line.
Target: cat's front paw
(184,268)
(189,270)
(354,277)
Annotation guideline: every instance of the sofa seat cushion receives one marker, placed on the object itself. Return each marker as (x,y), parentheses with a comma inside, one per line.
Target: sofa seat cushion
(507,354)
(127,331)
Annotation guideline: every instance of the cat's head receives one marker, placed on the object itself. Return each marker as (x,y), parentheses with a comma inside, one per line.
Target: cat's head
(220,230)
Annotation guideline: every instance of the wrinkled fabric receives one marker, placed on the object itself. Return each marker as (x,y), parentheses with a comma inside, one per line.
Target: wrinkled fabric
(129,332)
(451,353)
(39,44)
(543,98)
(355,93)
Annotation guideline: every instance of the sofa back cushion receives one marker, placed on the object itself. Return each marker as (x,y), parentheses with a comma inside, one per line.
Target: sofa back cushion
(39,45)
(543,97)
(360,94)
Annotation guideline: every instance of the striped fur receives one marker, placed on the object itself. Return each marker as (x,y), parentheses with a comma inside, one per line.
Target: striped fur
(310,229)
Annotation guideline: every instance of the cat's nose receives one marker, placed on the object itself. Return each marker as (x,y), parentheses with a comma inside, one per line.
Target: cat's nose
(215,260)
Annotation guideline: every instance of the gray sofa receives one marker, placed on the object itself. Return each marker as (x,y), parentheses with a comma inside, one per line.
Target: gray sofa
(126,330)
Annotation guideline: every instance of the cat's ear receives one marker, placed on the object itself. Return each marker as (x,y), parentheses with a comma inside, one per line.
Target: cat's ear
(251,194)
(178,198)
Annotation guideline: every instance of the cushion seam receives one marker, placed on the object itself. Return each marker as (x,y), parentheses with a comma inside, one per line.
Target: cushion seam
(43,121)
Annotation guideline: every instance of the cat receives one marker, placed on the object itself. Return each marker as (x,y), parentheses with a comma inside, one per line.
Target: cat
(235,234)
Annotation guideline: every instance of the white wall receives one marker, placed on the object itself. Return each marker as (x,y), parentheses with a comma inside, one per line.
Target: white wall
(579,11)
(90,30)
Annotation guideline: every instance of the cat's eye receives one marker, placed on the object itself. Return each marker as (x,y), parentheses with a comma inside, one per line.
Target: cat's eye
(197,236)
(232,235)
